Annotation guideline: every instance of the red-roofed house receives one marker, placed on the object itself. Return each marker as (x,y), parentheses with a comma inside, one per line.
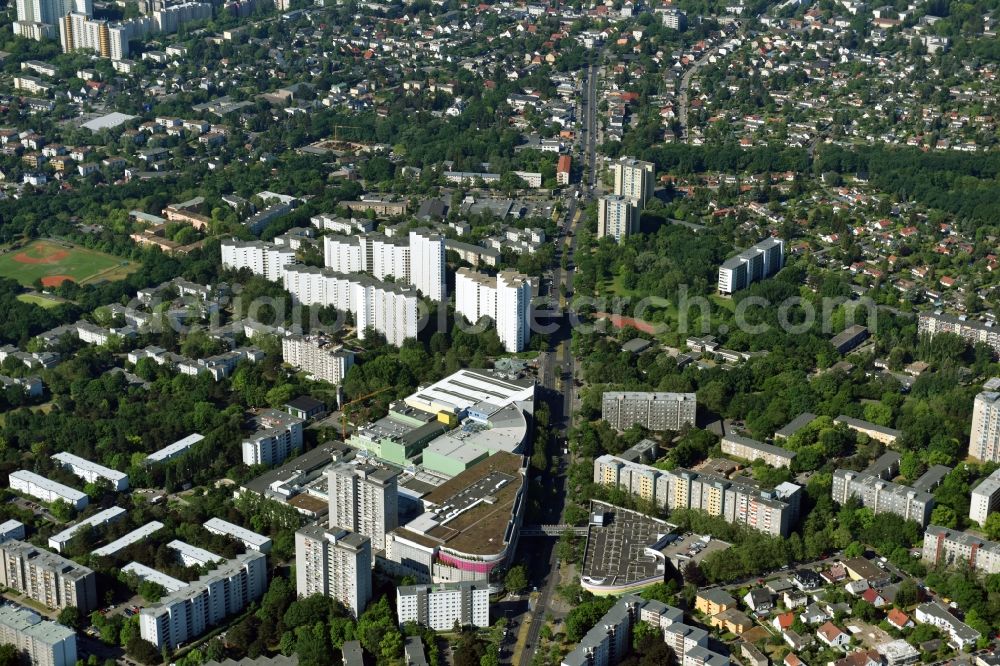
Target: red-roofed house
(792,659)
(831,635)
(784,621)
(873,597)
(899,619)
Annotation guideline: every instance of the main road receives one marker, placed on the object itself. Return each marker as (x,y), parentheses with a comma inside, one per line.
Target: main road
(557,370)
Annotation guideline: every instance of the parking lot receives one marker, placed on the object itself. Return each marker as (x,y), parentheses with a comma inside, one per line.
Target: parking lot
(616,550)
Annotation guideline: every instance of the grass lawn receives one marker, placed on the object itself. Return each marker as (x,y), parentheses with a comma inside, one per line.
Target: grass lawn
(54,261)
(40,300)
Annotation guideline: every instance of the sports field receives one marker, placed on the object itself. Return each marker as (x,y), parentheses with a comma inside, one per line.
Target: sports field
(40,300)
(56,261)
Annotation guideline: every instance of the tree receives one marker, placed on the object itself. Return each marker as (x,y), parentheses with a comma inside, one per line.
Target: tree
(516,580)
(143,651)
(908,594)
(9,655)
(693,574)
(992,526)
(71,617)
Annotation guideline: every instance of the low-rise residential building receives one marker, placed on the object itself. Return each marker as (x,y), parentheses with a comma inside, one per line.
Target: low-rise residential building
(92,472)
(174,450)
(713,601)
(59,540)
(251,540)
(751,449)
(46,490)
(959,634)
(123,542)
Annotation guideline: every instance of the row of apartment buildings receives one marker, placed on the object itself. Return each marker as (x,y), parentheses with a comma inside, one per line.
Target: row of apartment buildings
(417,260)
(773,512)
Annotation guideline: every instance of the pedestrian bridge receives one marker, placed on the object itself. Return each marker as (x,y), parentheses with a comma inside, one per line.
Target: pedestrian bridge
(551,530)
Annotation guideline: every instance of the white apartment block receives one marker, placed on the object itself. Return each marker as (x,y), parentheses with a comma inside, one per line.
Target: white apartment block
(193,556)
(752,265)
(126,540)
(189,612)
(984,440)
(391,310)
(617,217)
(336,563)
(506,299)
(11,529)
(142,572)
(985,498)
(343,254)
(47,578)
(49,12)
(418,261)
(278,436)
(317,357)
(46,490)
(174,450)
(653,411)
(59,540)
(363,498)
(342,225)
(751,449)
(264,259)
(250,540)
(443,605)
(427,264)
(92,472)
(634,179)
(42,642)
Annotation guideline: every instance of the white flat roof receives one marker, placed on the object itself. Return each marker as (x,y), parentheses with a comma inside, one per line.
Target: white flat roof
(71,494)
(189,552)
(109,121)
(465,388)
(134,536)
(177,447)
(100,518)
(221,526)
(169,583)
(112,475)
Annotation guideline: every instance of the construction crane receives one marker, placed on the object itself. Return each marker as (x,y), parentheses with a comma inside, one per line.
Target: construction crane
(343,410)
